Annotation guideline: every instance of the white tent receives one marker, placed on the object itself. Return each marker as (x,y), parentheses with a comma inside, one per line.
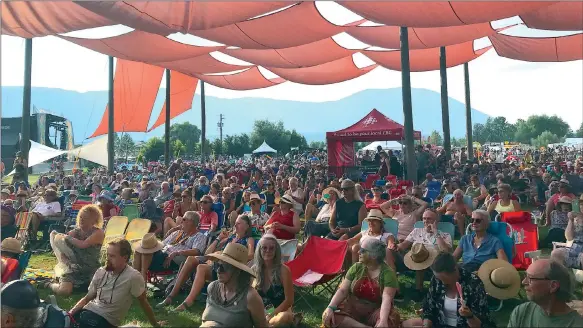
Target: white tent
(264,148)
(95,151)
(39,153)
(392,145)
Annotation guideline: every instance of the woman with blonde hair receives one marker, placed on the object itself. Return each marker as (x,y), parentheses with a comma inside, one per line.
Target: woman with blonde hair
(85,243)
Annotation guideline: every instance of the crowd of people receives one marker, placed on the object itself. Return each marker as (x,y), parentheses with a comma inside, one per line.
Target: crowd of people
(223,222)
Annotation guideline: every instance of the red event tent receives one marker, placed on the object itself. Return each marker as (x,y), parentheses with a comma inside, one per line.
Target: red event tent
(375,126)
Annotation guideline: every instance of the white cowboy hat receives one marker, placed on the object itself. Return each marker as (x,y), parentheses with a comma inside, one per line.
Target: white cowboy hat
(11,245)
(256,197)
(419,257)
(327,192)
(287,199)
(235,255)
(148,245)
(501,279)
(565,199)
(375,214)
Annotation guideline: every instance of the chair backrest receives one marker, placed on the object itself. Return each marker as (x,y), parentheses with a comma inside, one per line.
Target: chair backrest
(116,226)
(446,227)
(467,200)
(504,231)
(220,209)
(23,260)
(405,184)
(288,249)
(130,211)
(137,229)
(390,225)
(323,256)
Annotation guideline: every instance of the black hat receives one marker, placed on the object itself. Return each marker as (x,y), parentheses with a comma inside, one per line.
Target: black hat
(27,295)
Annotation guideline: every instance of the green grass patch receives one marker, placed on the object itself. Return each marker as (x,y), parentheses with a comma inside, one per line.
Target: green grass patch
(32,179)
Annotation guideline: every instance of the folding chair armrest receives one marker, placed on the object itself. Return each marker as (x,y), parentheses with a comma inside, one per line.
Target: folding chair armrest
(534,255)
(557,244)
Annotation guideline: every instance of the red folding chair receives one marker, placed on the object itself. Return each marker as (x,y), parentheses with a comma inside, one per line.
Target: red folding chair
(392,179)
(319,264)
(370,180)
(525,236)
(405,184)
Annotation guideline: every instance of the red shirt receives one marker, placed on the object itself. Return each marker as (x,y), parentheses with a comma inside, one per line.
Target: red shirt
(208,219)
(285,219)
(372,204)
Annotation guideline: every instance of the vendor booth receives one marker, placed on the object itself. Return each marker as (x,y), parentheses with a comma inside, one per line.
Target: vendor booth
(375,126)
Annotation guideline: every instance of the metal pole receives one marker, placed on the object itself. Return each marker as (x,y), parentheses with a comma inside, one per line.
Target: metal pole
(469,136)
(202,121)
(110,127)
(444,103)
(410,158)
(167,123)
(26,94)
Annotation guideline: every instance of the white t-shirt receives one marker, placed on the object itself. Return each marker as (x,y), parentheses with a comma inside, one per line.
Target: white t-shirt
(450,311)
(324,214)
(49,209)
(298,207)
(114,293)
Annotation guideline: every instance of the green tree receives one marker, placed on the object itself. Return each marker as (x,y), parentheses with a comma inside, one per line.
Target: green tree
(459,142)
(496,129)
(535,125)
(318,144)
(579,133)
(435,138)
(153,149)
(297,140)
(187,133)
(544,139)
(178,148)
(124,146)
(216,146)
(272,133)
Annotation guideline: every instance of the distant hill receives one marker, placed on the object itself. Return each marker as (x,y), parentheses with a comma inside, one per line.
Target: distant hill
(312,119)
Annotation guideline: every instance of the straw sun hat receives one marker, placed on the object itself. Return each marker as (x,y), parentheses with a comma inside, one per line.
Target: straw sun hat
(375,214)
(420,257)
(148,245)
(326,193)
(235,255)
(11,245)
(500,278)
(286,199)
(255,196)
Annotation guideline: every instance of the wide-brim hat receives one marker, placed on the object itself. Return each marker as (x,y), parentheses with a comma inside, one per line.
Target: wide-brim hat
(11,245)
(235,255)
(565,199)
(375,214)
(255,196)
(286,199)
(500,278)
(420,257)
(565,181)
(105,195)
(327,192)
(148,245)
(5,191)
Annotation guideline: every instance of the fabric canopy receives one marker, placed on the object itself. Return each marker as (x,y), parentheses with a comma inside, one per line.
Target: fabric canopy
(204,64)
(420,38)
(562,16)
(182,88)
(135,88)
(139,46)
(264,148)
(295,26)
(333,72)
(372,127)
(29,19)
(440,13)
(246,80)
(95,151)
(165,17)
(422,60)
(392,145)
(557,49)
(306,55)
(39,153)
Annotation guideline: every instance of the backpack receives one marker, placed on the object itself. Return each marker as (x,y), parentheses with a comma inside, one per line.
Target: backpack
(55,317)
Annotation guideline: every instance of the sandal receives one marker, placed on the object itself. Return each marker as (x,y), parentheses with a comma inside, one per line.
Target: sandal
(167,301)
(182,307)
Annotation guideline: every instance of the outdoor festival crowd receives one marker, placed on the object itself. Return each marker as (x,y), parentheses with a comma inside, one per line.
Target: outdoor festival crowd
(223,229)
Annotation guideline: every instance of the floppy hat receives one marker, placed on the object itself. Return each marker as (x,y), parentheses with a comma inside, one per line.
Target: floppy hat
(286,199)
(11,245)
(255,196)
(27,295)
(500,278)
(419,257)
(375,214)
(106,194)
(148,245)
(565,199)
(327,191)
(235,255)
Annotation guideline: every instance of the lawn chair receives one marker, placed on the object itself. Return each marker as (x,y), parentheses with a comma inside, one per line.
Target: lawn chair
(525,236)
(288,249)
(131,212)
(446,227)
(319,264)
(392,179)
(390,225)
(115,229)
(23,260)
(23,222)
(370,180)
(137,229)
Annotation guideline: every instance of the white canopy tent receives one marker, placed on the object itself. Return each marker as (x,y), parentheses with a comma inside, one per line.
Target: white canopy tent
(39,153)
(386,145)
(264,148)
(95,151)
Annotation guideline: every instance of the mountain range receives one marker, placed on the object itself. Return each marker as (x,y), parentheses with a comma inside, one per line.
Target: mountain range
(312,119)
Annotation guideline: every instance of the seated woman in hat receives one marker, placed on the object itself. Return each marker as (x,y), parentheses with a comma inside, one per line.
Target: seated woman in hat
(50,206)
(558,222)
(444,307)
(375,230)
(151,254)
(284,223)
(365,296)
(105,203)
(241,235)
(564,190)
(231,300)
(479,246)
(256,215)
(85,243)
(572,256)
(320,226)
(10,251)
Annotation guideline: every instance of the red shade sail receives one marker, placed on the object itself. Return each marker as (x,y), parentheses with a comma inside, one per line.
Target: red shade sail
(422,60)
(559,49)
(563,16)
(246,80)
(204,64)
(139,46)
(333,72)
(420,38)
(29,19)
(135,88)
(166,17)
(295,26)
(442,13)
(373,127)
(310,54)
(182,88)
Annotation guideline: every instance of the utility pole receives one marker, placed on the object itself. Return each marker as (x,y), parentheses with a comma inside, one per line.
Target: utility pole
(220,125)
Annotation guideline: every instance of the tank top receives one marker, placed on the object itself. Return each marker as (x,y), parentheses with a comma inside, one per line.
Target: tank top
(285,219)
(502,209)
(382,237)
(347,213)
(232,314)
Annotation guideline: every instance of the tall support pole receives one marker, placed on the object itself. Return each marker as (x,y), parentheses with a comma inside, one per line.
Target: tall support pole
(202,122)
(410,158)
(468,113)
(167,123)
(26,94)
(220,125)
(444,103)
(110,122)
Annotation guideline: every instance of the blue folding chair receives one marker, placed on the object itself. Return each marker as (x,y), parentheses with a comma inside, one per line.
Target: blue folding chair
(23,260)
(390,225)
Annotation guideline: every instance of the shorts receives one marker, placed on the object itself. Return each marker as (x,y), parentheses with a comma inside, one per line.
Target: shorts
(350,235)
(158,259)
(365,313)
(574,256)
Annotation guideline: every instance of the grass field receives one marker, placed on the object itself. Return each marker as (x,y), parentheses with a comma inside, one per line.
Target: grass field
(32,179)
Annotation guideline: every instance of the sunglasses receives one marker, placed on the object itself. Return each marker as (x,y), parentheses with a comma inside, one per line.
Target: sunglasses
(222,267)
(477,221)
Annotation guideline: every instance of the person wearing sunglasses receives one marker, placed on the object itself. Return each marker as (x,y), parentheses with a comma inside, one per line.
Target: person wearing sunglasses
(457,208)
(284,223)
(479,246)
(549,288)
(256,215)
(348,213)
(181,206)
(407,214)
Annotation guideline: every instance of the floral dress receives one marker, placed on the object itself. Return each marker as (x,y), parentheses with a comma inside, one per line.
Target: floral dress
(80,269)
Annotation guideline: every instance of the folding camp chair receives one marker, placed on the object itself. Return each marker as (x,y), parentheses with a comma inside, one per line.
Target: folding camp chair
(446,227)
(23,260)
(23,222)
(405,184)
(131,212)
(525,236)
(390,225)
(288,249)
(370,179)
(319,264)
(115,229)
(137,229)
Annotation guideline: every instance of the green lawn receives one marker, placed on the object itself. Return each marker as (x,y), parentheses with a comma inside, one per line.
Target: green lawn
(32,179)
